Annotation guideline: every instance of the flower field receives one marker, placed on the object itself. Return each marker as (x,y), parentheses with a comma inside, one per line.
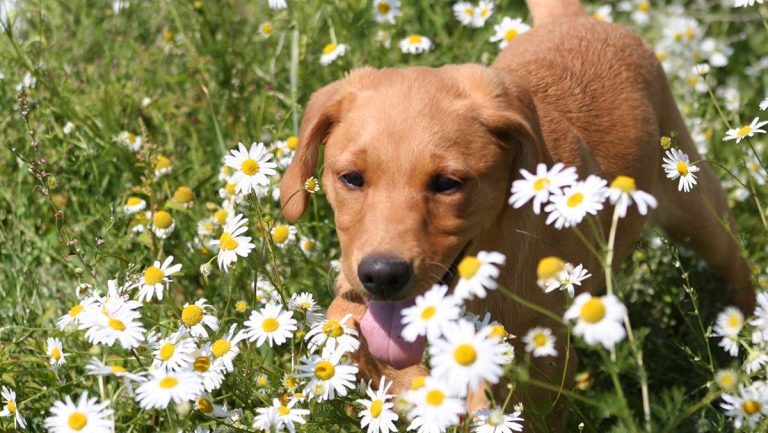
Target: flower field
(149,281)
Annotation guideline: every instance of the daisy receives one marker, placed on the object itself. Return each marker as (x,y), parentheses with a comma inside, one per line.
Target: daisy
(598,319)
(134,204)
(433,408)
(163,165)
(728,325)
(55,352)
(232,243)
(623,192)
(495,421)
(430,314)
(377,414)
(205,405)
(508,30)
(286,415)
(764,104)
(164,386)
(332,52)
(311,185)
(760,322)
(727,380)
(174,352)
(746,3)
(386,11)
(333,333)
(745,131)
(756,171)
(278,4)
(86,416)
(383,38)
(483,11)
(283,235)
(225,349)
(541,185)
(478,273)
(748,406)
(266,29)
(195,318)
(415,44)
(465,357)
(163,224)
(184,196)
(130,140)
(548,273)
(464,12)
(603,13)
(305,304)
(271,324)
(253,167)
(756,360)
(328,375)
(211,374)
(72,317)
(10,408)
(155,279)
(677,164)
(98,368)
(108,327)
(539,341)
(575,202)
(308,246)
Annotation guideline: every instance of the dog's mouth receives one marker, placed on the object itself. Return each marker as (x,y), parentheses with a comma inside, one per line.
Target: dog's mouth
(382,326)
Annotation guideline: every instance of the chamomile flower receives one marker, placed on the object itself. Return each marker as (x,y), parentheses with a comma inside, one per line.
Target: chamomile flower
(232,243)
(225,349)
(478,273)
(211,374)
(174,352)
(430,314)
(764,104)
(85,416)
(98,368)
(434,408)
(677,164)
(309,246)
(598,319)
(538,187)
(11,408)
(271,324)
(623,192)
(496,421)
(206,227)
(464,12)
(112,323)
(728,325)
(163,386)
(508,30)
(266,29)
(383,38)
(254,167)
(746,3)
(73,315)
(603,13)
(162,224)
(134,204)
(205,405)
(748,406)
(377,414)
(386,11)
(332,52)
(327,374)
(539,341)
(130,140)
(415,44)
(184,196)
(285,415)
(333,333)
(277,4)
(756,360)
(569,208)
(312,185)
(756,170)
(155,279)
(196,317)
(746,131)
(163,165)
(760,322)
(727,380)
(483,11)
(465,357)
(283,235)
(304,303)
(55,352)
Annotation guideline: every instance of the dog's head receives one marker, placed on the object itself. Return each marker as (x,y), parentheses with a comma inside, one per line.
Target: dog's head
(418,162)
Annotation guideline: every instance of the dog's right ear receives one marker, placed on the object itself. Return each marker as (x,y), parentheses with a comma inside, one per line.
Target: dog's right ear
(323,111)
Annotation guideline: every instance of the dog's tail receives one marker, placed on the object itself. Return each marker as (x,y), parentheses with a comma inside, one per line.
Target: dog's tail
(544,11)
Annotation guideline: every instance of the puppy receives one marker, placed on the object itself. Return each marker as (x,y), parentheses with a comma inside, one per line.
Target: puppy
(419,162)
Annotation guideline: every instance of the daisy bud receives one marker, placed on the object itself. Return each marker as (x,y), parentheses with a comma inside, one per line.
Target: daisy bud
(205,269)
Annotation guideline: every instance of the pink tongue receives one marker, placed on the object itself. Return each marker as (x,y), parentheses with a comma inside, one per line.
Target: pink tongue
(381,327)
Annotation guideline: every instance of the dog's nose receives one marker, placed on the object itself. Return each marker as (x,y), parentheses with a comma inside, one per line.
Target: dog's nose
(384,276)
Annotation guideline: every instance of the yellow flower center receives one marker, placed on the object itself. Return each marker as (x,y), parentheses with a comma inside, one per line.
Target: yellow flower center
(250,167)
(283,410)
(549,267)
(227,242)
(310,184)
(56,353)
(191,315)
(261,381)
(116,324)
(220,348)
(465,354)
(384,8)
(166,352)
(324,370)
(162,219)
(624,184)
(309,245)
(153,276)
(744,130)
(333,329)
(280,234)
(734,321)
(266,28)
(116,369)
(435,397)
(682,168)
(593,310)
(77,421)
(202,364)
(751,407)
(497,331)
(484,12)
(221,216)
(290,382)
(183,194)
(418,382)
(270,324)
(168,36)
(469,266)
(661,56)
(162,162)
(541,184)
(469,12)
(75,310)
(131,137)
(230,188)
(292,142)
(575,200)
(689,33)
(540,340)
(329,49)
(12,406)
(727,381)
(414,39)
(510,34)
(644,7)
(133,201)
(203,405)
(241,306)
(168,382)
(376,408)
(428,312)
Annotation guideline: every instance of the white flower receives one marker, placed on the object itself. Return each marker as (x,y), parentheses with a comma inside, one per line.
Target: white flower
(508,30)
(729,322)
(55,352)
(333,333)
(745,3)
(745,131)
(434,408)
(174,352)
(134,204)
(280,415)
(211,374)
(383,38)
(253,167)
(623,192)
(155,279)
(764,104)
(432,311)
(113,320)
(328,375)
(603,13)
(750,405)
(332,52)
(278,4)
(68,128)
(271,324)
(72,317)
(598,319)
(225,349)
(756,170)
(163,166)
(205,405)
(283,235)
(11,408)
(569,208)
(195,317)
(377,414)
(727,380)
(677,164)
(231,243)
(760,322)
(553,273)
(540,186)
(756,360)
(85,416)
(478,273)
(98,368)
(162,224)
(539,341)
(386,11)
(164,386)
(415,44)
(130,140)
(495,421)
(305,303)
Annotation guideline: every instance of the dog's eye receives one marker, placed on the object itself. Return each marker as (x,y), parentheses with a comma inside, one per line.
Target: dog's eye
(446,185)
(353,179)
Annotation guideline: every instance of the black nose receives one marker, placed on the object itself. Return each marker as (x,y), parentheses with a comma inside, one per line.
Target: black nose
(384,276)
